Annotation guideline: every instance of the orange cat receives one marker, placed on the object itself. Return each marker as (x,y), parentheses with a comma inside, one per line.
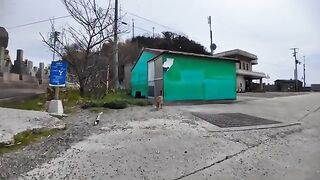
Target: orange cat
(159,101)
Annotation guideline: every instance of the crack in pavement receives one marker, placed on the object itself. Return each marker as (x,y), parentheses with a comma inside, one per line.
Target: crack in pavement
(273,137)
(311,112)
(317,109)
(217,162)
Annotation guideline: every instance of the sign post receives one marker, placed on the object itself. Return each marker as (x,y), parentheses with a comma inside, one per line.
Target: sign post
(58,73)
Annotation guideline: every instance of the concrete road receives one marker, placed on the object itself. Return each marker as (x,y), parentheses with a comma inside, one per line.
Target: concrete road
(18,93)
(140,143)
(14,121)
(270,94)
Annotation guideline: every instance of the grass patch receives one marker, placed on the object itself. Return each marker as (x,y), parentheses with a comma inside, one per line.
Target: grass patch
(35,103)
(140,102)
(116,104)
(27,137)
(70,100)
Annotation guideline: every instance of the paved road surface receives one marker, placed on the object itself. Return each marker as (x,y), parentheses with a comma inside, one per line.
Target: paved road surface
(18,93)
(140,143)
(14,121)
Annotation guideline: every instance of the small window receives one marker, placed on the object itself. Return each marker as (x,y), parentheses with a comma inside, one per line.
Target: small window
(244,67)
(240,65)
(247,66)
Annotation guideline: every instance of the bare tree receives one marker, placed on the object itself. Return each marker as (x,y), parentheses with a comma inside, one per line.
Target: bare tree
(81,46)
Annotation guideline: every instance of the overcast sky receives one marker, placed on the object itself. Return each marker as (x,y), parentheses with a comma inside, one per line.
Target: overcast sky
(267,28)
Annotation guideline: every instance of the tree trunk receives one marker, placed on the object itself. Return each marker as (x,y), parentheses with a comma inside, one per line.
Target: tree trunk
(82,90)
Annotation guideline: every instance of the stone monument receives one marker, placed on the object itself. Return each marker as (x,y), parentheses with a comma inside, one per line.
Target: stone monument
(5,62)
(19,64)
(4,37)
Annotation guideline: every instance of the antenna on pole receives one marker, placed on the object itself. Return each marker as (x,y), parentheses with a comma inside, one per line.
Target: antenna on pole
(153,31)
(212,45)
(132,28)
(304,71)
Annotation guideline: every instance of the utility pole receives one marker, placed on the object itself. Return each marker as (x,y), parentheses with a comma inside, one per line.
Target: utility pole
(304,71)
(132,28)
(116,55)
(153,32)
(295,69)
(54,36)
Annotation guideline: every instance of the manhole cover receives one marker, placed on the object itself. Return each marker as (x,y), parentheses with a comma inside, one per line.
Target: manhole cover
(225,120)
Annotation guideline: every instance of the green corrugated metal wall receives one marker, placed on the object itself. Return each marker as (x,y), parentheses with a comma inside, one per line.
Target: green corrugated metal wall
(139,74)
(196,78)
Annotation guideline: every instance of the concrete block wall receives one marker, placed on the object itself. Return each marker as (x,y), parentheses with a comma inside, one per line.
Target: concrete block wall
(29,78)
(241,84)
(12,80)
(7,77)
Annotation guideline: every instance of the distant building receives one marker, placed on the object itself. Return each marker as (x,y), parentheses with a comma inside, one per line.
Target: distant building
(245,75)
(287,85)
(315,87)
(183,76)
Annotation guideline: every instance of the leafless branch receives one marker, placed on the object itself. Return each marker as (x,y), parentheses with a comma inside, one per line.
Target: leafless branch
(80,46)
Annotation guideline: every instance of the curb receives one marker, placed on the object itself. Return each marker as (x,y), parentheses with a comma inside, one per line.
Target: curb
(249,128)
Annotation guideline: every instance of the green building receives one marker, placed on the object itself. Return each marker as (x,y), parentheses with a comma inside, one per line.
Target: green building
(183,76)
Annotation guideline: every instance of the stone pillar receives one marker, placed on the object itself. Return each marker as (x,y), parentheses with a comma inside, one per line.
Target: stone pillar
(2,61)
(40,73)
(18,63)
(19,55)
(41,68)
(29,67)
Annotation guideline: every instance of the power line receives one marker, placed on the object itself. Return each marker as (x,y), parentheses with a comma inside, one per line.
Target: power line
(37,22)
(67,16)
(134,26)
(149,20)
(137,27)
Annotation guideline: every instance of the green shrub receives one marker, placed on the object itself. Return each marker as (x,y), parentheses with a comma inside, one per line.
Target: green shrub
(116,104)
(140,102)
(90,104)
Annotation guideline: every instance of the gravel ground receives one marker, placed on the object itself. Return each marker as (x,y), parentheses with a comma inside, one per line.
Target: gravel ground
(141,143)
(79,127)
(14,121)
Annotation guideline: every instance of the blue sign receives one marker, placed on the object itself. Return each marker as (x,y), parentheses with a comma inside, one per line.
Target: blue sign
(58,73)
